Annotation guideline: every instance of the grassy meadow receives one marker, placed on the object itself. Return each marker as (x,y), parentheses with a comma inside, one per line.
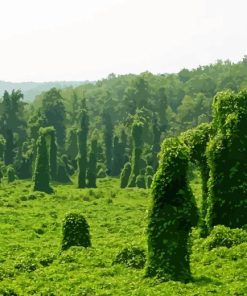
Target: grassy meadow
(31,261)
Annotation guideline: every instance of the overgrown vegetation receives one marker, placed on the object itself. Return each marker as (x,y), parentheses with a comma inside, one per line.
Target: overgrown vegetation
(32,262)
(97,161)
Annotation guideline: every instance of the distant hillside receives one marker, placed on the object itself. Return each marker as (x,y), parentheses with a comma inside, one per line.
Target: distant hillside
(32,89)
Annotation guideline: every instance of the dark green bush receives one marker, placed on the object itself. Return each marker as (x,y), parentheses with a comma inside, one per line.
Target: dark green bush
(222,236)
(125,174)
(75,231)
(26,265)
(47,260)
(149,180)
(101,173)
(172,215)
(140,181)
(4,291)
(69,166)
(62,174)
(149,170)
(11,177)
(131,257)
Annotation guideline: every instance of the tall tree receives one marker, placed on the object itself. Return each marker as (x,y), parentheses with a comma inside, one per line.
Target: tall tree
(108,135)
(12,114)
(156,142)
(71,145)
(82,148)
(9,147)
(92,164)
(227,159)
(173,213)
(53,153)
(54,110)
(42,167)
(137,130)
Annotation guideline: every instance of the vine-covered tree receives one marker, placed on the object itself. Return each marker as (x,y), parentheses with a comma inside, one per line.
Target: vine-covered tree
(12,114)
(141,181)
(137,130)
(53,153)
(71,145)
(82,148)
(173,213)
(156,142)
(11,176)
(62,175)
(92,164)
(42,167)
(108,135)
(75,231)
(125,174)
(227,159)
(54,110)
(9,152)
(197,140)
(117,157)
(2,147)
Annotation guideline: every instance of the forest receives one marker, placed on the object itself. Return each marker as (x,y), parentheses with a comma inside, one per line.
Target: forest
(130,185)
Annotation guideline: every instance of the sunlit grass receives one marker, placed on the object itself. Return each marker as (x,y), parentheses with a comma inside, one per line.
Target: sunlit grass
(31,261)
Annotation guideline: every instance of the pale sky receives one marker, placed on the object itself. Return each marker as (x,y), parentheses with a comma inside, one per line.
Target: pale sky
(49,40)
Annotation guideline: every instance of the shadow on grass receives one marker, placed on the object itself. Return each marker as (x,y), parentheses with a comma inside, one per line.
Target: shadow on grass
(204,280)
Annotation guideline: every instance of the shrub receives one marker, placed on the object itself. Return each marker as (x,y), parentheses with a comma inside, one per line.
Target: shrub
(131,257)
(222,236)
(124,177)
(75,231)
(149,170)
(149,180)
(62,174)
(69,167)
(5,291)
(101,173)
(11,174)
(173,213)
(140,181)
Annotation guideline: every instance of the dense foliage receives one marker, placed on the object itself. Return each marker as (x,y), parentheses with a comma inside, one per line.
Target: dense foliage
(227,158)
(197,140)
(75,231)
(125,174)
(42,167)
(173,214)
(82,148)
(59,139)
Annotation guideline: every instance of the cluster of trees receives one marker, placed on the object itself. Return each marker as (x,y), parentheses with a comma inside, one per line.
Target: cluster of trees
(126,119)
(115,126)
(220,151)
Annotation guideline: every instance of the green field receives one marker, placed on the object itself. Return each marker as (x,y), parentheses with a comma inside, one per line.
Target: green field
(31,262)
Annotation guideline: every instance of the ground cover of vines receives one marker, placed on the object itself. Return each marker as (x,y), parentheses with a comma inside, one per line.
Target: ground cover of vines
(32,263)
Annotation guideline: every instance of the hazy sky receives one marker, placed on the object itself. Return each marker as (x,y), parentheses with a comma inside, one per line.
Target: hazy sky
(43,40)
